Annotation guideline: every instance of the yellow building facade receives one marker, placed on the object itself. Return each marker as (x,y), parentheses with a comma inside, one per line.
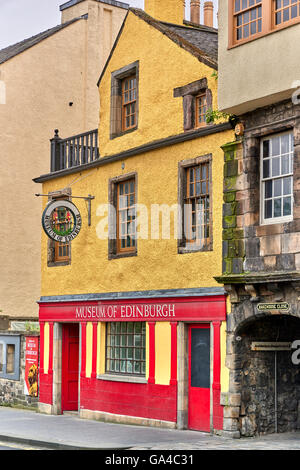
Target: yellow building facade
(135,294)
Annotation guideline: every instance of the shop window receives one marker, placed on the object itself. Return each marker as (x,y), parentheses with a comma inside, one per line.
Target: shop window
(124,104)
(251,19)
(122,220)
(196,100)
(9,357)
(196,205)
(126,348)
(277,154)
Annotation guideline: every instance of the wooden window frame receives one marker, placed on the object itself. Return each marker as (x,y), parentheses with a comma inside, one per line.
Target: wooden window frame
(114,249)
(184,245)
(53,260)
(268,23)
(116,97)
(201,96)
(142,360)
(126,104)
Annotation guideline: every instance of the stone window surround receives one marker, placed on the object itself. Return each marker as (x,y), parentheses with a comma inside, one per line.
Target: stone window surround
(112,228)
(66,193)
(5,340)
(189,94)
(182,166)
(116,99)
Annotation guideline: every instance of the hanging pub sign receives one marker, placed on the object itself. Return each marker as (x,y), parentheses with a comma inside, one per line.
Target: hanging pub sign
(61,221)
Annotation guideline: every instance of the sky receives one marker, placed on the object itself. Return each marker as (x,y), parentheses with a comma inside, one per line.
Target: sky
(20,19)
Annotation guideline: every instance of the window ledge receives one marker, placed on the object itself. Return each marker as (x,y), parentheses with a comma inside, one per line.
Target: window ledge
(122,378)
(194,249)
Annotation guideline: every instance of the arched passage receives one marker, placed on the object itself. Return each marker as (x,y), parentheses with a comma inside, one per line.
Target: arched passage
(268,381)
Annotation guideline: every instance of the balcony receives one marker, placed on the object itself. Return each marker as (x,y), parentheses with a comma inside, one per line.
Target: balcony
(74,151)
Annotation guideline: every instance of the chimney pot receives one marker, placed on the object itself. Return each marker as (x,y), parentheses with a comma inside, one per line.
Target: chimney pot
(209,14)
(195,11)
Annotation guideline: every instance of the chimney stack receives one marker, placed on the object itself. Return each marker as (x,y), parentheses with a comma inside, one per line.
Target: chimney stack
(195,11)
(209,14)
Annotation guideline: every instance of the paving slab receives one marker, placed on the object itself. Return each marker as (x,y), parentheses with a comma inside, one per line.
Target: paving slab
(71,432)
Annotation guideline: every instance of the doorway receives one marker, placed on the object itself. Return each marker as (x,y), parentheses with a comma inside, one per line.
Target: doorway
(70,367)
(199,377)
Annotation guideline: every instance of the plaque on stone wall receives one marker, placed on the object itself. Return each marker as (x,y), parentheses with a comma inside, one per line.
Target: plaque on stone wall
(268,307)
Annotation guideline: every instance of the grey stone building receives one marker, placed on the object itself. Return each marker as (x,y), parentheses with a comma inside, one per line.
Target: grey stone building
(261,216)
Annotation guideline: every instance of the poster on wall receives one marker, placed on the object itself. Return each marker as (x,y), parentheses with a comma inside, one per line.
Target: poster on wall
(31,366)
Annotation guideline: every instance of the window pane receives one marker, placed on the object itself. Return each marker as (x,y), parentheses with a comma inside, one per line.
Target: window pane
(131,356)
(287,206)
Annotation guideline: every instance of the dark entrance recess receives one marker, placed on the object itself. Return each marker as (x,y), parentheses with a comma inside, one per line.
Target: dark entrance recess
(269,381)
(199,378)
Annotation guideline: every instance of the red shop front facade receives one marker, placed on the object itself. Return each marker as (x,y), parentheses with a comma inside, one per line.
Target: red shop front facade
(147,360)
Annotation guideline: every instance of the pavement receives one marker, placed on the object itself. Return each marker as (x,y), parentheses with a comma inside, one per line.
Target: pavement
(69,432)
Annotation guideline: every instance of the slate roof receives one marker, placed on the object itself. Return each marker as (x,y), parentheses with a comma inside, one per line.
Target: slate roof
(11,51)
(199,40)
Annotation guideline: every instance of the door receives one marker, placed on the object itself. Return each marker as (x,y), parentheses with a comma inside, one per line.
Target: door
(70,367)
(199,378)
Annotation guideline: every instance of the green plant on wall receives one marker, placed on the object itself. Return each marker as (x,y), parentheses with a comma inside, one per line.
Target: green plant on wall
(212,116)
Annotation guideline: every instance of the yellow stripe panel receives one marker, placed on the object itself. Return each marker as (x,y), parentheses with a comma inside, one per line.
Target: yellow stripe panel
(89,349)
(162,353)
(46,347)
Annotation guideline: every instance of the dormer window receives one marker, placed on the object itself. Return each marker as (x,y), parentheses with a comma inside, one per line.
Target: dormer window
(124,101)
(129,103)
(200,110)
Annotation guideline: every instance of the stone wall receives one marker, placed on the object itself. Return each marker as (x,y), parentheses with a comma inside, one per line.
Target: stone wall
(12,391)
(247,245)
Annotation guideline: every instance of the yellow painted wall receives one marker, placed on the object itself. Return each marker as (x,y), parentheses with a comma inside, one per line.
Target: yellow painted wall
(46,347)
(162,353)
(89,349)
(158,264)
(163,66)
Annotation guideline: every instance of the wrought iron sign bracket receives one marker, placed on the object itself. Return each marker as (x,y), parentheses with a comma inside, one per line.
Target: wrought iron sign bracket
(88,198)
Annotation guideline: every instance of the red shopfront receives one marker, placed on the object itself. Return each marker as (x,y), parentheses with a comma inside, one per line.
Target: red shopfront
(176,359)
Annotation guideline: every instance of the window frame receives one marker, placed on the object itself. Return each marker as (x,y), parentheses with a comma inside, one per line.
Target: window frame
(274,220)
(143,333)
(113,227)
(126,128)
(189,94)
(184,246)
(116,100)
(199,124)
(6,340)
(268,23)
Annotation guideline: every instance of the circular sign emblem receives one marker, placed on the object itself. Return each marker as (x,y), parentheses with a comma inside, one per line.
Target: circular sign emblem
(61,221)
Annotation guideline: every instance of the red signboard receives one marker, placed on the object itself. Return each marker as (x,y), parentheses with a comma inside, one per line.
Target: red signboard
(31,366)
(180,309)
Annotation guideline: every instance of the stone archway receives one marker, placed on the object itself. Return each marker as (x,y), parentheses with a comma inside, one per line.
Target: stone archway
(264,385)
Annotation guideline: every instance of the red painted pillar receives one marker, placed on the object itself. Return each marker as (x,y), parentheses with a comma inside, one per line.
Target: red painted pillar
(151,379)
(83,350)
(173,380)
(217,408)
(94,352)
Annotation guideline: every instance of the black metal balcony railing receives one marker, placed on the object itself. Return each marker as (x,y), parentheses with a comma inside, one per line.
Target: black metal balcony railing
(73,151)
